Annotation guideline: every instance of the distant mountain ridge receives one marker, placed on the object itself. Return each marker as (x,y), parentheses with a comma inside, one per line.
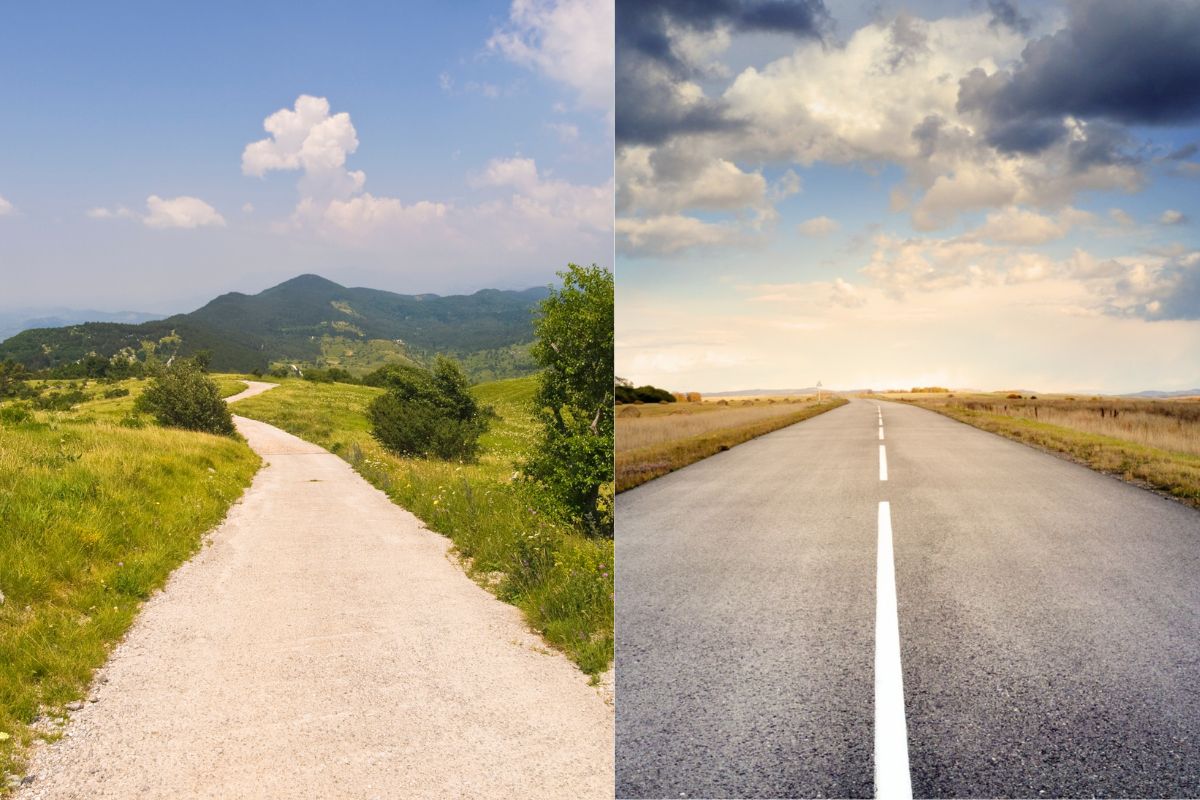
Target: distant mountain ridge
(13,322)
(308,319)
(1156,393)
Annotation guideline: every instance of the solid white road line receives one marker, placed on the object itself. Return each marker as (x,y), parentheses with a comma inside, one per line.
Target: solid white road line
(892,779)
(882,462)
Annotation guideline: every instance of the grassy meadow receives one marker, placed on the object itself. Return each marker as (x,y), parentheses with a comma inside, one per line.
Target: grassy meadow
(1153,443)
(654,439)
(561,579)
(97,507)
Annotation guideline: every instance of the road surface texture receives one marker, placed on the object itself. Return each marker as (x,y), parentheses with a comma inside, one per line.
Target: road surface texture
(1049,620)
(323,645)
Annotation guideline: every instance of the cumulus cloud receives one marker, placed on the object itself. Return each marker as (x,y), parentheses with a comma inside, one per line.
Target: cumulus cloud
(309,139)
(5,207)
(519,209)
(1121,217)
(570,41)
(669,234)
(904,91)
(672,178)
(846,294)
(1105,64)
(180,212)
(1172,217)
(663,47)
(818,226)
(172,212)
(1013,225)
(1148,286)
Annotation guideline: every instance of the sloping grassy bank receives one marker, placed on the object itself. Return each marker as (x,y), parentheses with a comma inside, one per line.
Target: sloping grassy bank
(638,465)
(1167,471)
(561,579)
(93,517)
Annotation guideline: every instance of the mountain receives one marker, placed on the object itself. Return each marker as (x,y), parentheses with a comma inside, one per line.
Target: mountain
(22,319)
(311,320)
(1162,395)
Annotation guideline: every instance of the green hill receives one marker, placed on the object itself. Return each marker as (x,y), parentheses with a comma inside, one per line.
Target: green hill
(309,320)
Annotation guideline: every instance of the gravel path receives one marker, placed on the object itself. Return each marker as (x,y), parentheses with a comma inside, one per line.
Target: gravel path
(324,645)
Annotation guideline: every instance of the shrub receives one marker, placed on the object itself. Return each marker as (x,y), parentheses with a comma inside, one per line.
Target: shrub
(59,401)
(14,414)
(427,413)
(182,396)
(331,375)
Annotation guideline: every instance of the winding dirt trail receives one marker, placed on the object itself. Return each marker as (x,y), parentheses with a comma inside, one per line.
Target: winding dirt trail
(323,645)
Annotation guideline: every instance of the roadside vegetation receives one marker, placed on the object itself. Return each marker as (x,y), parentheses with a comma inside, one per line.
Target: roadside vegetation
(1153,443)
(540,540)
(653,440)
(97,507)
(560,578)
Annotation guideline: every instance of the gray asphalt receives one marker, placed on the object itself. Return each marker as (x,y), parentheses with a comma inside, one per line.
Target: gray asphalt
(1049,619)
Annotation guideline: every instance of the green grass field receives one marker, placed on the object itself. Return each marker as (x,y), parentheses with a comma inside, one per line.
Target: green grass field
(560,579)
(94,516)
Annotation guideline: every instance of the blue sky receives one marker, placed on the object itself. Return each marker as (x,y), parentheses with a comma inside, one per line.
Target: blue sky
(481,129)
(884,194)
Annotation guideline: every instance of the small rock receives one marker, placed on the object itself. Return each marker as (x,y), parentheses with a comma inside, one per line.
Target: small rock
(74,705)
(28,779)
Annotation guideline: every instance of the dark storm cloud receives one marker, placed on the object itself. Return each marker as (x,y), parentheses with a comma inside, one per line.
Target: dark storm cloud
(1185,152)
(1127,63)
(648,67)
(1006,14)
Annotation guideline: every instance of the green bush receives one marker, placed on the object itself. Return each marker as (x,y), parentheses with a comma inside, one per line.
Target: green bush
(14,414)
(427,413)
(574,460)
(182,396)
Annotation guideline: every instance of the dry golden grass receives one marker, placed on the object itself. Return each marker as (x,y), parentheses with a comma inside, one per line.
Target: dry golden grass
(1154,443)
(656,439)
(644,426)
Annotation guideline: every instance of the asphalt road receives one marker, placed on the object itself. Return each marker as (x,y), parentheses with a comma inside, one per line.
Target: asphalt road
(1049,620)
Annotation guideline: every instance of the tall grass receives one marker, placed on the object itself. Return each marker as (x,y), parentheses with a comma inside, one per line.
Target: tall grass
(1154,443)
(561,579)
(93,517)
(671,422)
(649,447)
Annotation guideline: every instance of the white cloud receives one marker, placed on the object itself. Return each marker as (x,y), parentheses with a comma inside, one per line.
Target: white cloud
(304,137)
(846,294)
(1172,217)
(570,41)
(671,179)
(565,131)
(818,226)
(671,233)
(1121,217)
(518,211)
(180,212)
(5,207)
(173,212)
(888,95)
(1013,225)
